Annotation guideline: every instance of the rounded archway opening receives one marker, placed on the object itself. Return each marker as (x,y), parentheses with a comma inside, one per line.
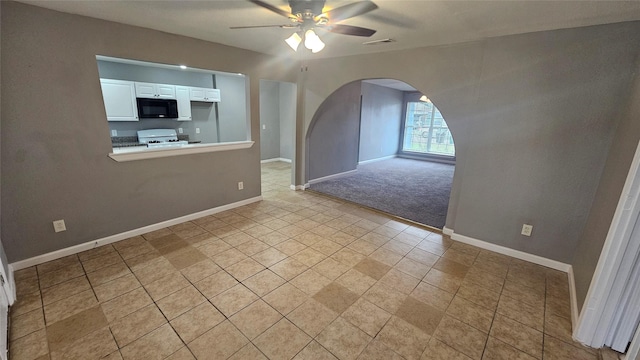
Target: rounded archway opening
(376,144)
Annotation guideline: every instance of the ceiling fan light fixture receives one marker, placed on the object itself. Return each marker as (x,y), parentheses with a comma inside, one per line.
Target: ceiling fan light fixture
(318,46)
(294,41)
(312,41)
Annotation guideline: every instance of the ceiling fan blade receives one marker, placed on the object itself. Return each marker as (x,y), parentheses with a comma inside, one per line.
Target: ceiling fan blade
(349,11)
(264,26)
(274,9)
(350,30)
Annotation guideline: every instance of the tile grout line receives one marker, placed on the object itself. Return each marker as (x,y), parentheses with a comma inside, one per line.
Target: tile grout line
(495,312)
(288,281)
(544,316)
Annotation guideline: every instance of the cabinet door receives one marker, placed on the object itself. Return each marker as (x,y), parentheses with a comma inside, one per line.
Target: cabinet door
(212,95)
(196,94)
(166,91)
(146,90)
(119,100)
(184,103)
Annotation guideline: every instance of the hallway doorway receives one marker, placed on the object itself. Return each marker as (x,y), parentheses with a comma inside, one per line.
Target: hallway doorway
(277,122)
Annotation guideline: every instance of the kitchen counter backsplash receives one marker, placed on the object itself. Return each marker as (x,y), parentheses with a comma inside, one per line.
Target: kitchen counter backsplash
(124,141)
(127,141)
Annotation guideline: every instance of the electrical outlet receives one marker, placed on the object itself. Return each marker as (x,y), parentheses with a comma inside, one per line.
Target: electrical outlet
(180,131)
(197,130)
(114,132)
(59,226)
(526,229)
(240,185)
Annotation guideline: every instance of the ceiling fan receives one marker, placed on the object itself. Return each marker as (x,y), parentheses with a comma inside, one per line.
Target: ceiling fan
(307,15)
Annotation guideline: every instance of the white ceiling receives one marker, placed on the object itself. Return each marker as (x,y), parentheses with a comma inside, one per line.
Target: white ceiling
(391,83)
(412,24)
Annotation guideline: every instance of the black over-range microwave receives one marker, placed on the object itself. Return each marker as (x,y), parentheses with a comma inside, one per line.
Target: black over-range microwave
(157,108)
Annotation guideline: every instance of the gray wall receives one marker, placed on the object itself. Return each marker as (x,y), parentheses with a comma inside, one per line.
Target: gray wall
(131,72)
(532,116)
(381,116)
(203,117)
(232,110)
(278,115)
(269,119)
(287,118)
(615,173)
(3,255)
(55,139)
(333,136)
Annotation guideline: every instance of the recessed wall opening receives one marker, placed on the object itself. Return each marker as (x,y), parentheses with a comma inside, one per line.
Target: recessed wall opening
(378,144)
(277,131)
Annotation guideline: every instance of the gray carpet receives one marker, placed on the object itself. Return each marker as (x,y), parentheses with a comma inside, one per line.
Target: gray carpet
(412,189)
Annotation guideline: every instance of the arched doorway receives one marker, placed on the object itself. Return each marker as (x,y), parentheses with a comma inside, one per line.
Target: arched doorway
(375,143)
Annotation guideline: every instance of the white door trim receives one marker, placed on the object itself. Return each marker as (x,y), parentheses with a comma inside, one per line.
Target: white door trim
(633,352)
(595,313)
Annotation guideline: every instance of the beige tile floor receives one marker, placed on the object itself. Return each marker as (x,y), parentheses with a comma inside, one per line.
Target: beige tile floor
(299,276)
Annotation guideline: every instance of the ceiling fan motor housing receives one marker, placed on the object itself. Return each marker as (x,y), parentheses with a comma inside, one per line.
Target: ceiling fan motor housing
(308,8)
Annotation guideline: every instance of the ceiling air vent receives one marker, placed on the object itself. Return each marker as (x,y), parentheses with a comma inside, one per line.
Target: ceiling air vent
(377,42)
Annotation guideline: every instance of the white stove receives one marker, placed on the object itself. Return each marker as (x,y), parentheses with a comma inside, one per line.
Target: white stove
(160,138)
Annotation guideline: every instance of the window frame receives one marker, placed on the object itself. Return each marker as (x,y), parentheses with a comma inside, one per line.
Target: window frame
(415,97)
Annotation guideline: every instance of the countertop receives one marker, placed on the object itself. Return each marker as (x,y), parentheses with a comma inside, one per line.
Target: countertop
(132,141)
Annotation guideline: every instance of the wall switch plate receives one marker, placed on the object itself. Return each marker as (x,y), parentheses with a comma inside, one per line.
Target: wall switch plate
(264,127)
(197,130)
(526,229)
(114,132)
(240,185)
(180,130)
(59,226)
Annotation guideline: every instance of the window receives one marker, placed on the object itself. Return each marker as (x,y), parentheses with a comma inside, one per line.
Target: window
(425,130)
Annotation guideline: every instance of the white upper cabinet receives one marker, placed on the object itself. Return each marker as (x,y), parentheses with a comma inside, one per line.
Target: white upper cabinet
(119,100)
(155,91)
(212,95)
(146,90)
(166,91)
(184,103)
(205,94)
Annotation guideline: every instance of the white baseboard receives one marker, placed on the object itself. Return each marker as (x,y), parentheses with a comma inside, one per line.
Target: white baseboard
(378,159)
(299,187)
(13,296)
(512,252)
(557,265)
(432,158)
(334,176)
(274,160)
(36,260)
(573,298)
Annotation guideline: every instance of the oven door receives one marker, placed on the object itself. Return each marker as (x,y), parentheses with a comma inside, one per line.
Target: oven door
(157,108)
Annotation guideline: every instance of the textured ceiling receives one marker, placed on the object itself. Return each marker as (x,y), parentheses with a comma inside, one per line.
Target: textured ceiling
(410,23)
(390,83)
